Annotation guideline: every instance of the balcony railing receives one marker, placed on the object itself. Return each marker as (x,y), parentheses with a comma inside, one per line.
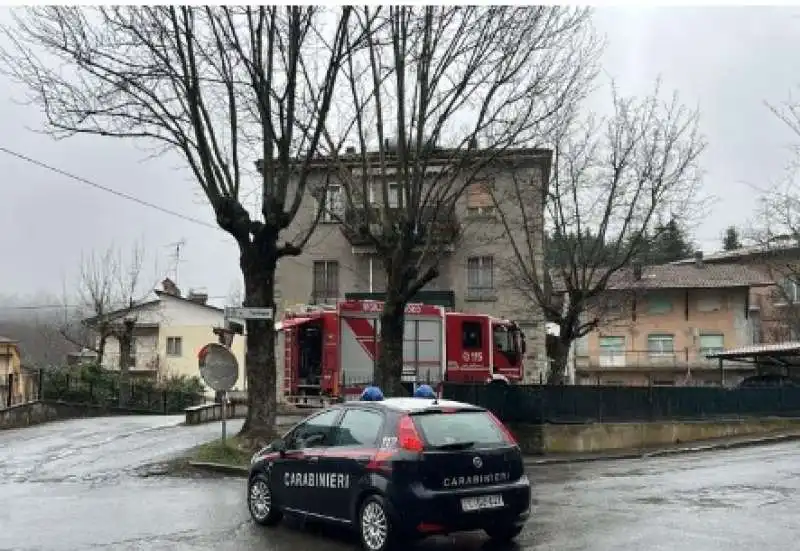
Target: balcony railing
(360,223)
(655,361)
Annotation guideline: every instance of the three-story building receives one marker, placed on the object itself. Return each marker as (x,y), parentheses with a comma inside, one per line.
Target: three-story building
(473,251)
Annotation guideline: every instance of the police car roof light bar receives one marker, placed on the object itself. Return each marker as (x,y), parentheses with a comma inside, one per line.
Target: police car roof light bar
(372,394)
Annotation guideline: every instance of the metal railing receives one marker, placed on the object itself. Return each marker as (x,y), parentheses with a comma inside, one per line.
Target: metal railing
(586,404)
(637,359)
(63,386)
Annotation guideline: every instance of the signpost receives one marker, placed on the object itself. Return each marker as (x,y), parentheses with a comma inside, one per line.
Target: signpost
(219,368)
(247,313)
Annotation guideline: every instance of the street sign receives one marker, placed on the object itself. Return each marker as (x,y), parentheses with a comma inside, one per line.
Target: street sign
(247,313)
(218,367)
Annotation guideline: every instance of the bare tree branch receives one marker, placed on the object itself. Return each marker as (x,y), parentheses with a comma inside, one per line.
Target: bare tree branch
(437,96)
(611,180)
(225,87)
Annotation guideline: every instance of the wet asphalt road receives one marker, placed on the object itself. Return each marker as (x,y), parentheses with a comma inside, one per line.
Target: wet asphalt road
(78,486)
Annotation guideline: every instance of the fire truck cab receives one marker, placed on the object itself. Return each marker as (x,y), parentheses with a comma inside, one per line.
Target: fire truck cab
(332,351)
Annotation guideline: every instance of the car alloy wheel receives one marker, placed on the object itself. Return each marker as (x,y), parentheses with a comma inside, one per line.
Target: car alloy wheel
(260,500)
(374,526)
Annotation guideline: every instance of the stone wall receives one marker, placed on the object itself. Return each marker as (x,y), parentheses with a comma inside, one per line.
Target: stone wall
(34,413)
(601,437)
(206,413)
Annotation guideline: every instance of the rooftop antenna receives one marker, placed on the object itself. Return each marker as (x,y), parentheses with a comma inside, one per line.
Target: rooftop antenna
(176,257)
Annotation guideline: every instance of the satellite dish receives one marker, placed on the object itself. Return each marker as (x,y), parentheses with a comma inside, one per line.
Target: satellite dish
(219,368)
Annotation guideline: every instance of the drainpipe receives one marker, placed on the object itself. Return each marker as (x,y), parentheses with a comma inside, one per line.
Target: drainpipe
(370,273)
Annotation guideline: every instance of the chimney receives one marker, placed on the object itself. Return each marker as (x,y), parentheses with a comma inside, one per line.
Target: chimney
(198,297)
(170,288)
(350,150)
(698,259)
(637,271)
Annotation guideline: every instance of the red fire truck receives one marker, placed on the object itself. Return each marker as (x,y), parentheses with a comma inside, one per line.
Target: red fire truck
(331,351)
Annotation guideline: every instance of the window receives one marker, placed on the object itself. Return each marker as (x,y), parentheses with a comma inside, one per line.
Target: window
(612,351)
(326,281)
(660,346)
(174,347)
(479,199)
(394,195)
(789,292)
(447,429)
(359,428)
(658,304)
(317,432)
(471,334)
(392,188)
(710,344)
(503,339)
(480,277)
(333,208)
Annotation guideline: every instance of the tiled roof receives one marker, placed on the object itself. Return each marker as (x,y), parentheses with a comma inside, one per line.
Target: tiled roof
(753,250)
(683,276)
(6,339)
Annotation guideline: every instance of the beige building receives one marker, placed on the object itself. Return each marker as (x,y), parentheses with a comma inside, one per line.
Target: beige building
(169,332)
(475,258)
(12,387)
(658,327)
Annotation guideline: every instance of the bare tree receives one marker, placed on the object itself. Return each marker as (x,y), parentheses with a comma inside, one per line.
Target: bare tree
(224,87)
(775,231)
(436,97)
(611,179)
(109,291)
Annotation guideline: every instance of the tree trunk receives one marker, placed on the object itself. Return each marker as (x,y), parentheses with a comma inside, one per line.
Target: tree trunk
(101,349)
(125,344)
(559,356)
(390,360)
(258,262)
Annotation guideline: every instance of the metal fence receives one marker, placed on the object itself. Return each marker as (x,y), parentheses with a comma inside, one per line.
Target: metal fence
(582,404)
(105,391)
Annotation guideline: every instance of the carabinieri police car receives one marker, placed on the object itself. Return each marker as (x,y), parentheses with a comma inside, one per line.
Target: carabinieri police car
(395,470)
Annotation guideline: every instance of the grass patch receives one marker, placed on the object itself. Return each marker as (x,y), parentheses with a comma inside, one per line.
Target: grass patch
(225,453)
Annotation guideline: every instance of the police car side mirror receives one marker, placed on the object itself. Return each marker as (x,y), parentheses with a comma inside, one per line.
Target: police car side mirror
(278,446)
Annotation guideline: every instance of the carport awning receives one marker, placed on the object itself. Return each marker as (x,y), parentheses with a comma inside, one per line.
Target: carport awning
(784,353)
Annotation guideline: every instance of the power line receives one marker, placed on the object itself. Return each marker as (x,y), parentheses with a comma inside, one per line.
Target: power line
(142,202)
(105,188)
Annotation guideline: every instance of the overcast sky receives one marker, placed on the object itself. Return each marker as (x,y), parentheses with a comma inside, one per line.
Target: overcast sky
(726,60)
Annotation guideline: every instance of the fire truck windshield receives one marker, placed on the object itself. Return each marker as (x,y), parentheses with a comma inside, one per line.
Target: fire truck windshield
(503,339)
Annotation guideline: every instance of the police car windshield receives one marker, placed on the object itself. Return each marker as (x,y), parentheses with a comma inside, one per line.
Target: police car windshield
(462,429)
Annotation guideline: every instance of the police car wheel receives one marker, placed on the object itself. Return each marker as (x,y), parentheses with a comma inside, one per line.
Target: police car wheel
(374,525)
(503,532)
(259,501)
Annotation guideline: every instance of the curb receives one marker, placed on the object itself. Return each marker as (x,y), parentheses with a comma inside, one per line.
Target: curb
(242,472)
(220,468)
(645,454)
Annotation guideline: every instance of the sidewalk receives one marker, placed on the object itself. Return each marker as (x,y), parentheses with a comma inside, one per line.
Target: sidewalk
(533,461)
(689,447)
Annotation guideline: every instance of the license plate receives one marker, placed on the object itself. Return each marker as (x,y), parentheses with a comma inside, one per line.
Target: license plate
(479,503)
